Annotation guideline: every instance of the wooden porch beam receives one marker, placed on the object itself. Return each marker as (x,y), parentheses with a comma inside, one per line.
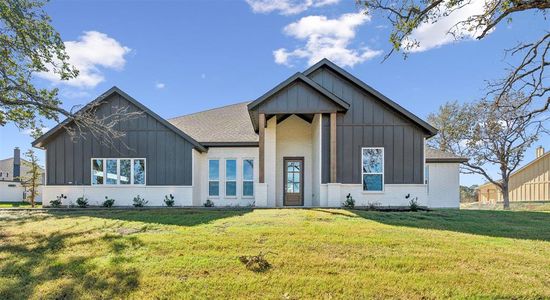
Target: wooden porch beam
(261,146)
(333,147)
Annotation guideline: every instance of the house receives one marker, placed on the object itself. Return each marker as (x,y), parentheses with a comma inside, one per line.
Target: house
(310,141)
(529,183)
(11,171)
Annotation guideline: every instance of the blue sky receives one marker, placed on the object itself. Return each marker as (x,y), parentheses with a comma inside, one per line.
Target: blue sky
(179,57)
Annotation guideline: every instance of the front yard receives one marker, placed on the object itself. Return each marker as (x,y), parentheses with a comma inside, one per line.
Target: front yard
(314,253)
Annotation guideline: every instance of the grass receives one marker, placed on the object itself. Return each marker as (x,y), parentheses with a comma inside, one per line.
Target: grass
(21,204)
(315,253)
(521,206)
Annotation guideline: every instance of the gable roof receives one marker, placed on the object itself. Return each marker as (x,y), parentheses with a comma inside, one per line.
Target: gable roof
(43,139)
(327,63)
(309,82)
(438,156)
(218,126)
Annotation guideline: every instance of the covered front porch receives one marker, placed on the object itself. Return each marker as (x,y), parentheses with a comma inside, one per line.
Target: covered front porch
(296,124)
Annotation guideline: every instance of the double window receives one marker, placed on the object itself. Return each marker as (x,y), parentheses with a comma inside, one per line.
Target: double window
(372,169)
(231,179)
(118,171)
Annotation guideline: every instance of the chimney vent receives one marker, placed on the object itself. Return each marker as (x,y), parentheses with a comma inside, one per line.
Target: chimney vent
(16,164)
(539,151)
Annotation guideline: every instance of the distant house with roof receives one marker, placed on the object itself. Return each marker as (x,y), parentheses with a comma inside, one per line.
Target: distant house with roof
(12,169)
(529,183)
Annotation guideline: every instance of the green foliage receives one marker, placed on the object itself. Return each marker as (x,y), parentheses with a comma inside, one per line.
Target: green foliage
(468,194)
(30,45)
(82,202)
(58,201)
(109,202)
(139,202)
(209,203)
(349,203)
(169,200)
(413,203)
(33,177)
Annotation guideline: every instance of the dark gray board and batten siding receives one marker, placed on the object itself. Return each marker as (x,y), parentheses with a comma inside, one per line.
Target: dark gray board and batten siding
(168,155)
(369,123)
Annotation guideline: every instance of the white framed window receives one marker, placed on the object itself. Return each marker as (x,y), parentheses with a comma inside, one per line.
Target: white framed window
(231,177)
(248,178)
(372,169)
(214,177)
(118,171)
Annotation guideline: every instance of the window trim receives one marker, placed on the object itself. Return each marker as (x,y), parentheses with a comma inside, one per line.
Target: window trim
(235,180)
(243,180)
(118,184)
(373,173)
(218,181)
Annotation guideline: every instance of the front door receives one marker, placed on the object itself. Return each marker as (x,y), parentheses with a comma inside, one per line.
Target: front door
(294,181)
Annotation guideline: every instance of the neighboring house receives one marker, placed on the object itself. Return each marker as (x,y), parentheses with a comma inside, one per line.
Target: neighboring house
(311,140)
(11,171)
(530,183)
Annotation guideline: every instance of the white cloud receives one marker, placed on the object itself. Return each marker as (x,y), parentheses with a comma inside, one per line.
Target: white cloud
(93,51)
(287,7)
(326,38)
(433,35)
(160,85)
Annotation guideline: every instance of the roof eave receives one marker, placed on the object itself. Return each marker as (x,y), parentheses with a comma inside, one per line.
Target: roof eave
(39,142)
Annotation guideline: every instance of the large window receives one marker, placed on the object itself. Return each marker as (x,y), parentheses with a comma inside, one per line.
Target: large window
(248,177)
(231,177)
(118,171)
(373,169)
(213,177)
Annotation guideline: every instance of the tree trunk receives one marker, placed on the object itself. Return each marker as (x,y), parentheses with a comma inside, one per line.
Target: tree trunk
(505,196)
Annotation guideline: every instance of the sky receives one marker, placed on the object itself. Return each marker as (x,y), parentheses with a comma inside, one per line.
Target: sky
(180,57)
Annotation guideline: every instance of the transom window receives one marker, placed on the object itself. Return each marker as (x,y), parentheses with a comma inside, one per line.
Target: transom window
(118,171)
(214,177)
(373,169)
(231,177)
(248,177)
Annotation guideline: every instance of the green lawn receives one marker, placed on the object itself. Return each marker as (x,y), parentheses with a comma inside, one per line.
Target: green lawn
(18,204)
(316,253)
(523,206)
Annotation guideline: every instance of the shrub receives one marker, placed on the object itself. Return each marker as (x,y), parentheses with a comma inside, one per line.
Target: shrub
(108,202)
(82,202)
(169,200)
(413,203)
(349,203)
(255,263)
(208,203)
(139,202)
(57,202)
(373,205)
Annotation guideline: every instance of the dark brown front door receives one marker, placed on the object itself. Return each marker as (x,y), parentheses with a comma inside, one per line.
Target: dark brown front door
(293,168)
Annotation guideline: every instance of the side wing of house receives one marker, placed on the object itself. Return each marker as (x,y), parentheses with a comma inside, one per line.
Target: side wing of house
(152,160)
(371,127)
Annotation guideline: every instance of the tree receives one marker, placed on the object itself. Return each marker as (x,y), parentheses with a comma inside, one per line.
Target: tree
(528,76)
(468,194)
(29,45)
(32,178)
(489,134)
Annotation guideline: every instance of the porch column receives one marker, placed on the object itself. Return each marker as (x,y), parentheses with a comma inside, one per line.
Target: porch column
(333,147)
(261,156)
